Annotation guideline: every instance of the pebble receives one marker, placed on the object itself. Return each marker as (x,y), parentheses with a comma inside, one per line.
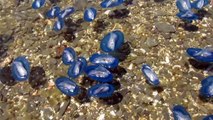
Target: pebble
(7,37)
(47,114)
(165,27)
(167,35)
(160,13)
(101,117)
(139,60)
(4,117)
(53,61)
(151,42)
(28,29)
(80,4)
(3,50)
(28,43)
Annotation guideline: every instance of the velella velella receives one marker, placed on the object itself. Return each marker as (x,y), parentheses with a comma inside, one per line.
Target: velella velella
(106,60)
(67,86)
(99,73)
(183,5)
(185,9)
(111,3)
(90,14)
(68,56)
(209,117)
(83,60)
(150,75)
(38,4)
(53,12)
(203,55)
(199,4)
(138,27)
(185,13)
(180,113)
(206,89)
(76,68)
(66,12)
(58,25)
(101,90)
(20,68)
(188,16)
(112,41)
(207,80)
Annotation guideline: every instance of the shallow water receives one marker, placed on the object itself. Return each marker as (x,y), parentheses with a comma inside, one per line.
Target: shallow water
(155,36)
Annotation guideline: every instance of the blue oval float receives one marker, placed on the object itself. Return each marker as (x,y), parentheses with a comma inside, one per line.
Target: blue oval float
(206,89)
(112,41)
(199,4)
(106,60)
(77,68)
(66,12)
(99,73)
(111,3)
(58,25)
(183,5)
(90,14)
(150,75)
(53,12)
(209,117)
(83,60)
(207,80)
(180,113)
(101,91)
(188,16)
(38,4)
(20,69)
(68,56)
(67,86)
(203,55)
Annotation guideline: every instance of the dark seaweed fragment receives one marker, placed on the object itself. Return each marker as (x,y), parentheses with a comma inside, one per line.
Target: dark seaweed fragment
(37,77)
(114,99)
(6,77)
(119,14)
(100,26)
